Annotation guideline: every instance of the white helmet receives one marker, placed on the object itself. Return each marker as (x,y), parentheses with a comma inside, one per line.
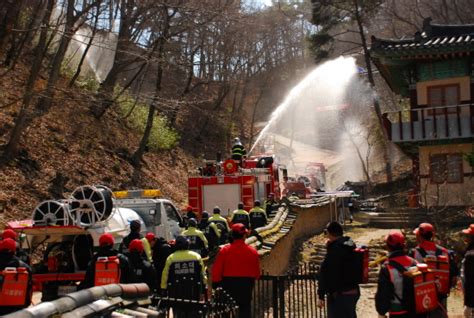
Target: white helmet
(236,141)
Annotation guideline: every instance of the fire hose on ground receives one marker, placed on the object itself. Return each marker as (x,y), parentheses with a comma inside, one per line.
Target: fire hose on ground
(77,300)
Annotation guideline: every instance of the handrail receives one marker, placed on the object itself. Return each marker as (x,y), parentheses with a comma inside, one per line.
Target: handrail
(427,108)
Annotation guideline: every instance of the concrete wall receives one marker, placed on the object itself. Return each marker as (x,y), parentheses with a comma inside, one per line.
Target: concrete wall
(309,221)
(446,194)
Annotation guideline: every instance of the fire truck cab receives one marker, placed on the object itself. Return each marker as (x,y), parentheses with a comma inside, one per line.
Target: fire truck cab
(225,184)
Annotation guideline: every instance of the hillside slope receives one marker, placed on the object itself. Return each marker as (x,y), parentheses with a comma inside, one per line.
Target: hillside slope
(68,147)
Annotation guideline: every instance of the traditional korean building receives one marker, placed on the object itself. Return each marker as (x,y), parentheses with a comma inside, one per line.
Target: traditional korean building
(435,71)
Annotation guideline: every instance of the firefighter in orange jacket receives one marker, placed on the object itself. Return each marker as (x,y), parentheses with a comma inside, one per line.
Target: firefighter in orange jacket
(236,268)
(21,298)
(106,250)
(389,296)
(425,233)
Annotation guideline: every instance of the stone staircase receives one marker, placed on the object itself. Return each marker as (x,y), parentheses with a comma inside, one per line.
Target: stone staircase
(396,218)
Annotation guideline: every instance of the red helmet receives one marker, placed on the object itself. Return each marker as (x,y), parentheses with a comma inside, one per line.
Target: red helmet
(395,238)
(239,228)
(9,233)
(150,237)
(469,230)
(136,246)
(106,239)
(424,228)
(8,245)
(189,208)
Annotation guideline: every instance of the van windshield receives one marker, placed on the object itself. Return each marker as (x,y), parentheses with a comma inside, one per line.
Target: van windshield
(171,212)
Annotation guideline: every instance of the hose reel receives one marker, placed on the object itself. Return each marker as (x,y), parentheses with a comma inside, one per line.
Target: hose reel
(51,213)
(91,204)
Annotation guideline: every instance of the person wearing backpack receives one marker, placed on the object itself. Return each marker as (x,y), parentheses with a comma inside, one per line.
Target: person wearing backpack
(467,273)
(106,252)
(390,286)
(143,271)
(211,231)
(427,249)
(221,223)
(337,279)
(16,279)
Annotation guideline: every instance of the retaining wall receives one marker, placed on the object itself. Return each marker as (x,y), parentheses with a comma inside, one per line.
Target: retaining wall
(310,220)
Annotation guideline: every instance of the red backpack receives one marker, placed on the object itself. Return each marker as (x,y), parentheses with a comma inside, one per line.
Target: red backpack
(14,286)
(439,265)
(107,270)
(419,288)
(362,256)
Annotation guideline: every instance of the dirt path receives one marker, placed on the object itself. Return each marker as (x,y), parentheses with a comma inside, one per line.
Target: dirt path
(372,236)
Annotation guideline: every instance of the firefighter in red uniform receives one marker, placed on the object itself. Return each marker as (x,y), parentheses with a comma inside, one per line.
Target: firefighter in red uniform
(15,276)
(107,253)
(236,268)
(425,234)
(388,298)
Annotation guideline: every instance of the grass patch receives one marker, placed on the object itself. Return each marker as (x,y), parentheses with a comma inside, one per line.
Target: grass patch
(162,135)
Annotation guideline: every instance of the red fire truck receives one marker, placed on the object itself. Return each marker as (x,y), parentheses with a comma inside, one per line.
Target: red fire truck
(225,184)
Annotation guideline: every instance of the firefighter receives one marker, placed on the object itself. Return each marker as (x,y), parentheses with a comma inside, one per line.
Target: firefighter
(148,242)
(467,273)
(197,240)
(184,274)
(240,216)
(425,234)
(135,228)
(210,230)
(221,223)
(190,213)
(20,253)
(336,276)
(257,216)
(238,150)
(270,203)
(388,298)
(236,268)
(142,269)
(16,287)
(161,251)
(106,251)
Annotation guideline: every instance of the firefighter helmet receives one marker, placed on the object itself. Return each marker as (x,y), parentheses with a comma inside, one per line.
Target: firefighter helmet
(192,223)
(136,246)
(8,245)
(9,233)
(181,243)
(106,239)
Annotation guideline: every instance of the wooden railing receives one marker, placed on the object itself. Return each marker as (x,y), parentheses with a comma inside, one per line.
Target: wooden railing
(430,123)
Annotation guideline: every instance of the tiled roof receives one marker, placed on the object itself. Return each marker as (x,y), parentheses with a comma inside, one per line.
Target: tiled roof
(434,39)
